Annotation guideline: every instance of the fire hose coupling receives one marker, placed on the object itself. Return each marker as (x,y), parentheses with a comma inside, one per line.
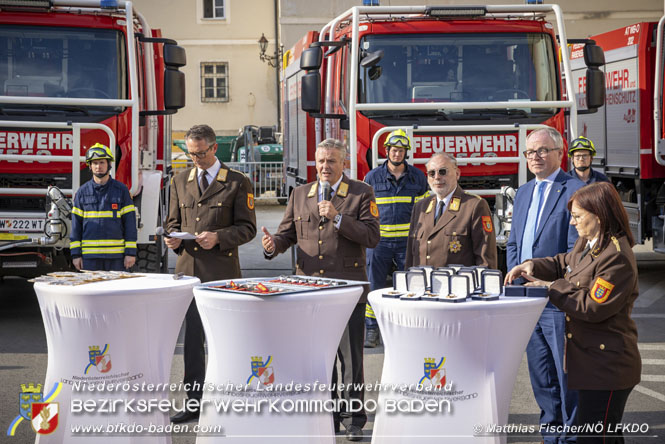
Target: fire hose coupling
(59,201)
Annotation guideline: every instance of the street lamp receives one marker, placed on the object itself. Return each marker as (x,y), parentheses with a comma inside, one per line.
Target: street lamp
(263,46)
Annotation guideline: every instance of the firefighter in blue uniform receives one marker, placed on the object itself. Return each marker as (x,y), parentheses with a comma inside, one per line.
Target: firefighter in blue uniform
(103,218)
(397,187)
(581,151)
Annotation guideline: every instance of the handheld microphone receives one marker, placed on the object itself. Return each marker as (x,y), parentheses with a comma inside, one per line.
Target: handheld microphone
(326,189)
(159,231)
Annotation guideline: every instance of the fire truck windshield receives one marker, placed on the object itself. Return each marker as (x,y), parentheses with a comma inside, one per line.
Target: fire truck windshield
(62,62)
(458,68)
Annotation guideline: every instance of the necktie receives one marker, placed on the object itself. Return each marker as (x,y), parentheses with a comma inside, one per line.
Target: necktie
(439,211)
(586,250)
(532,222)
(204,181)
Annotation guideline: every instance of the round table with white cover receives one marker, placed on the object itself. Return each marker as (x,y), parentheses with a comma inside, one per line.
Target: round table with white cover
(457,360)
(269,355)
(113,332)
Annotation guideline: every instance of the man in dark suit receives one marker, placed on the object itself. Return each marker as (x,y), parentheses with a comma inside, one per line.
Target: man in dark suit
(331,238)
(451,227)
(541,228)
(215,204)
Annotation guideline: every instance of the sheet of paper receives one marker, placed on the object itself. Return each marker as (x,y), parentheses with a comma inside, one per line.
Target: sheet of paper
(179,235)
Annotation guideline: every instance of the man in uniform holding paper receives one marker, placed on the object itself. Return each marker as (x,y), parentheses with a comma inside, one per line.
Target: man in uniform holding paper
(332,221)
(451,227)
(216,205)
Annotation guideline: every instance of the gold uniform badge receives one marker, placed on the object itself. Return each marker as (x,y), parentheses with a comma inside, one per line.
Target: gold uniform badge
(454,204)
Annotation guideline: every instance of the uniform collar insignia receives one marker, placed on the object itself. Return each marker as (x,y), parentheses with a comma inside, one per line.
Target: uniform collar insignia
(221,175)
(454,204)
(312,191)
(343,189)
(192,175)
(430,207)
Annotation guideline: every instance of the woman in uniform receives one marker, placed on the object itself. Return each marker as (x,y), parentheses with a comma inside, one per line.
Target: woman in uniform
(595,285)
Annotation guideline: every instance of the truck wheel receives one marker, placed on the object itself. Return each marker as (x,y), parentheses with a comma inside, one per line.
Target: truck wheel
(151,259)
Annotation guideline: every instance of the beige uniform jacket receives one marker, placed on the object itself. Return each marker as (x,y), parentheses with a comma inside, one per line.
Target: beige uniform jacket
(464,234)
(322,249)
(226,208)
(597,294)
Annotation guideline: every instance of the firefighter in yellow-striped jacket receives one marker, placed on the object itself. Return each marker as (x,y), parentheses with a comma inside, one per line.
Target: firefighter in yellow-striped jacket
(397,187)
(103,218)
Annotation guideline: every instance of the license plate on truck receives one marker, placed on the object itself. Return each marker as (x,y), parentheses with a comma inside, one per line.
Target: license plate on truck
(21,225)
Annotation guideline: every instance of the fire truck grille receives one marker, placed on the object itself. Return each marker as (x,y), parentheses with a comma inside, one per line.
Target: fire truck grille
(487,182)
(38,182)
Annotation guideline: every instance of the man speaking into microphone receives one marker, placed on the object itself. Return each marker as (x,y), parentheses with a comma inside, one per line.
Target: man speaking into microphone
(332,221)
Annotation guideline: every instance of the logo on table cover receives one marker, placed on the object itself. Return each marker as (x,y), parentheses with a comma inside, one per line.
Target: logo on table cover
(101,359)
(44,417)
(262,370)
(36,408)
(435,374)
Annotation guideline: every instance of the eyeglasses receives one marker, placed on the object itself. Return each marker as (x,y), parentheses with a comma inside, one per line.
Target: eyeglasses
(202,154)
(441,171)
(581,156)
(398,141)
(578,218)
(542,152)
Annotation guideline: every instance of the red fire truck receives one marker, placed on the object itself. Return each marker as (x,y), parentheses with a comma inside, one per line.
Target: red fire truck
(469,81)
(74,73)
(628,130)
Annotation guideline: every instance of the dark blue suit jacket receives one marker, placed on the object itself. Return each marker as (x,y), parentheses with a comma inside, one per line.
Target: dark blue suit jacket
(555,234)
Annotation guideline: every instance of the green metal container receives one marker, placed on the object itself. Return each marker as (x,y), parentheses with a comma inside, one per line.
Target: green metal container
(223,147)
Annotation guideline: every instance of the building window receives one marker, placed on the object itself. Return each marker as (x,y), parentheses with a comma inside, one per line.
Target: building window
(213,9)
(214,82)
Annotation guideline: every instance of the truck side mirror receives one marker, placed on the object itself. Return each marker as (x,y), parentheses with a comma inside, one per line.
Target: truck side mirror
(594,57)
(311,92)
(174,56)
(174,80)
(595,88)
(311,58)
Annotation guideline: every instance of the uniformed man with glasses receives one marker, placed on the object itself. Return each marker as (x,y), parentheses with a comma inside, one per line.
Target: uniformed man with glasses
(582,151)
(452,226)
(397,187)
(541,228)
(215,204)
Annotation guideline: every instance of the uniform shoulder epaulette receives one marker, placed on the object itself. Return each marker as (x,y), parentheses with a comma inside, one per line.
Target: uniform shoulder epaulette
(474,195)
(616,243)
(235,171)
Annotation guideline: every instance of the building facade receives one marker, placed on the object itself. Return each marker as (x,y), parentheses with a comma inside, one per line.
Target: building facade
(229,86)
